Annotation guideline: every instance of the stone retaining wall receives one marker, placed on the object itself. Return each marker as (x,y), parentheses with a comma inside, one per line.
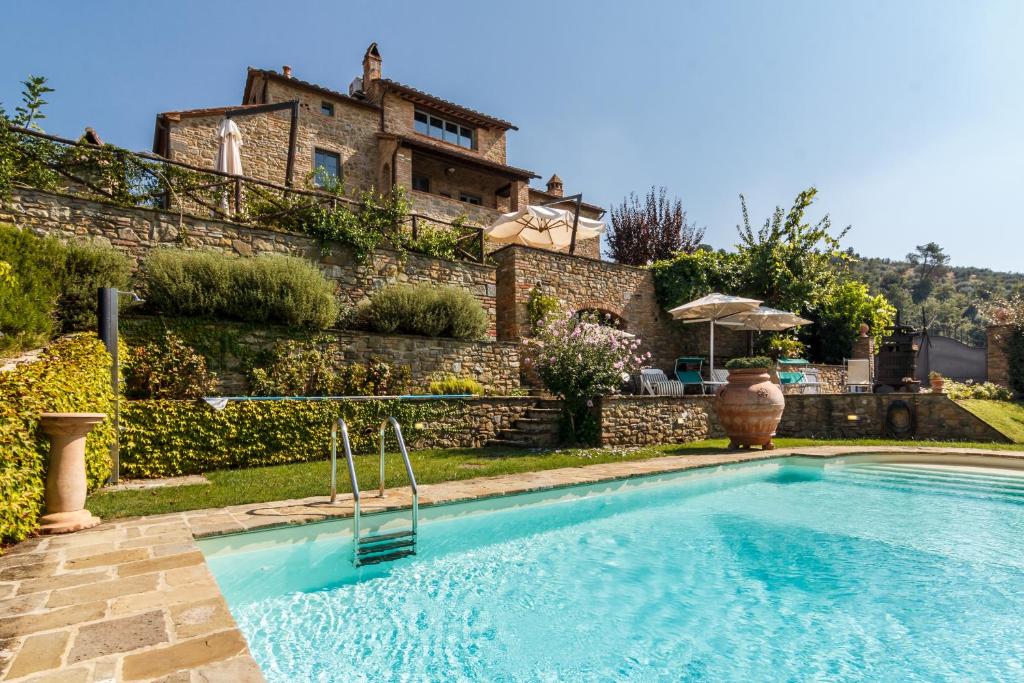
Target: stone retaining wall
(136,231)
(475,421)
(651,420)
(851,416)
(997,362)
(228,346)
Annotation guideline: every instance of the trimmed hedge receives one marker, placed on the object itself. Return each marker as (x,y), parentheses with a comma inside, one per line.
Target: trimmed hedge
(72,375)
(425,310)
(266,288)
(52,286)
(171,438)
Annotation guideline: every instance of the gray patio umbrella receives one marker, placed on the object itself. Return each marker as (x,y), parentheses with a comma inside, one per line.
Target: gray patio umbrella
(710,309)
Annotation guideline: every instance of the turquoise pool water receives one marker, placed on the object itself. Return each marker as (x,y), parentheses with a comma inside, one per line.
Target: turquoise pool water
(768,572)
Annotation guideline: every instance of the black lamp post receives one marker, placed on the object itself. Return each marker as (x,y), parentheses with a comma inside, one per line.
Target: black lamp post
(108,302)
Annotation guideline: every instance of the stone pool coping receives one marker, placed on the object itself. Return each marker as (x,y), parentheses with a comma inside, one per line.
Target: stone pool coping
(133,599)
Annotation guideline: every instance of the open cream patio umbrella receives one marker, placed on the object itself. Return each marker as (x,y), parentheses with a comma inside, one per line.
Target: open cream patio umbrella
(544,227)
(711,308)
(763,319)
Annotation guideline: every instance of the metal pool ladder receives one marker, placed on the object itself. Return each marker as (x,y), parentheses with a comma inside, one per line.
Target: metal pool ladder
(373,548)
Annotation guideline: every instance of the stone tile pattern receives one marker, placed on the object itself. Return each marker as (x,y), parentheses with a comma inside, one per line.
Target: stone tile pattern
(624,291)
(130,601)
(493,364)
(136,231)
(651,420)
(996,359)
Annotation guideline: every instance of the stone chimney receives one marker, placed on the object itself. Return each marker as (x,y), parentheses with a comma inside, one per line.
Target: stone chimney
(287,70)
(371,66)
(555,185)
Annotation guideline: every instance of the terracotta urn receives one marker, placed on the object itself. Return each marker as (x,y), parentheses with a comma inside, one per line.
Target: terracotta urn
(749,408)
(65,480)
(937,384)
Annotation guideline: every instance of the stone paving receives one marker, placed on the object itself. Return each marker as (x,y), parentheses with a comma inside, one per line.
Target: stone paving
(133,600)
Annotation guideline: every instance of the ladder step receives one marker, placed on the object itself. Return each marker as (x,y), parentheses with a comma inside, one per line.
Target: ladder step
(374,538)
(376,559)
(382,547)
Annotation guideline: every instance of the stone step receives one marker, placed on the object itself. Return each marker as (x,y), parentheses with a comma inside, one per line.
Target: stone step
(534,426)
(505,443)
(546,414)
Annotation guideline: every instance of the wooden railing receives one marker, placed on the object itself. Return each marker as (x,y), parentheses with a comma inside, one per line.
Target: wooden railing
(143,180)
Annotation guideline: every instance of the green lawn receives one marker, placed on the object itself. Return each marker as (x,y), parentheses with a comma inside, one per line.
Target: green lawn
(281,482)
(1006,416)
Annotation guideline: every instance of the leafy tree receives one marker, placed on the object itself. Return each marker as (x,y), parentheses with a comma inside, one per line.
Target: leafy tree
(929,260)
(649,229)
(789,263)
(31,109)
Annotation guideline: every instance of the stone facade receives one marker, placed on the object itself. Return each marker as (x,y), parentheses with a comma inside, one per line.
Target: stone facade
(626,292)
(831,380)
(476,421)
(997,362)
(136,231)
(652,420)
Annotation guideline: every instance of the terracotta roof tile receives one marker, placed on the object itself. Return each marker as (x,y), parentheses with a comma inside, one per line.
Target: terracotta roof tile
(480,117)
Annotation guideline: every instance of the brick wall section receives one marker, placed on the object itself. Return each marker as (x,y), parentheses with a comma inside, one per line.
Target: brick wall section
(136,231)
(651,420)
(582,283)
(997,361)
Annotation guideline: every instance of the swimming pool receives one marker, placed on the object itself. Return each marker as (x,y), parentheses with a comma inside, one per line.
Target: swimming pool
(791,569)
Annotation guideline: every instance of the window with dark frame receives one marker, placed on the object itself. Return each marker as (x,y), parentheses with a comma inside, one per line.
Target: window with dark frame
(326,167)
(421,183)
(470,198)
(443,129)
(327,108)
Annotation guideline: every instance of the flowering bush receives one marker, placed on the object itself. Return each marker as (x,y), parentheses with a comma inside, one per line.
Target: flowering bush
(982,390)
(578,358)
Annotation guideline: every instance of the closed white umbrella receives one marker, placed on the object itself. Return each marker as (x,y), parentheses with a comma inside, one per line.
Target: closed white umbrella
(763,319)
(229,154)
(544,227)
(711,308)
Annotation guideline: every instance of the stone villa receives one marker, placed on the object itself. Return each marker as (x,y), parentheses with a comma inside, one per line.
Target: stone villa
(450,159)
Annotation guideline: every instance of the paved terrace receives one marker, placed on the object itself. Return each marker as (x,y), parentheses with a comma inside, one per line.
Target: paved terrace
(133,600)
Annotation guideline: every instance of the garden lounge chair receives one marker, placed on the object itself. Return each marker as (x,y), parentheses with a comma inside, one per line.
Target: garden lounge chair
(812,381)
(719,378)
(688,371)
(790,371)
(858,375)
(654,382)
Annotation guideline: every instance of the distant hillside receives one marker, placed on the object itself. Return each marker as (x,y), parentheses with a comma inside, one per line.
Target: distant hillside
(947,298)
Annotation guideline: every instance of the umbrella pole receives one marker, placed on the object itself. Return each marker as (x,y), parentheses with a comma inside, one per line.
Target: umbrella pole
(711,356)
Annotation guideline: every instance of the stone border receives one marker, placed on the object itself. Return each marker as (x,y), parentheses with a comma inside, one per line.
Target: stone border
(133,600)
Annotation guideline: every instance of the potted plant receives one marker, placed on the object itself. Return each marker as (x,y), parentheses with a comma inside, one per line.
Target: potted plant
(750,406)
(937,381)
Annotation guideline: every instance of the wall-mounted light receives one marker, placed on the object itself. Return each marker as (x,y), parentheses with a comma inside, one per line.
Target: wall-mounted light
(450,170)
(853,418)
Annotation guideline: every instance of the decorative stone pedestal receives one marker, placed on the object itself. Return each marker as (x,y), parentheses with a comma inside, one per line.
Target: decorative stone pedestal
(65,481)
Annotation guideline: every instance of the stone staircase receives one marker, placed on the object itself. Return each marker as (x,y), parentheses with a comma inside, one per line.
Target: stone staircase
(537,428)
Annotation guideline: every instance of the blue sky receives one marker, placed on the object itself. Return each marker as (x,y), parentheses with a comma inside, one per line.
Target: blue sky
(907,116)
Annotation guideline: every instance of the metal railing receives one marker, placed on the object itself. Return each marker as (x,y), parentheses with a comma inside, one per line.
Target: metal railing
(144,180)
(358,539)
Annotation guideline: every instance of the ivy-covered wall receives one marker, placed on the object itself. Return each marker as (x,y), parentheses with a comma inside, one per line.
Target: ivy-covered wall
(229,348)
(170,438)
(70,375)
